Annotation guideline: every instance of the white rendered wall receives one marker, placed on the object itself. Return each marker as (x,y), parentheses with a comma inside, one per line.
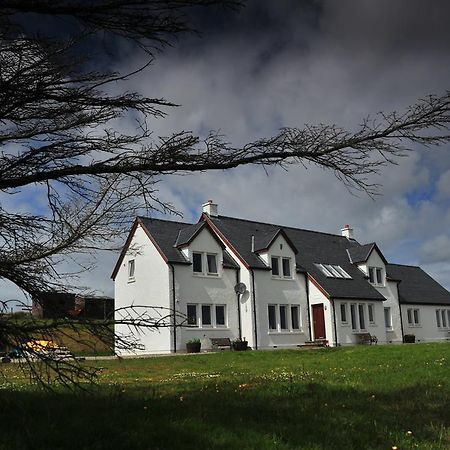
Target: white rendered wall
(149,288)
(209,290)
(280,291)
(316,297)
(427,331)
(390,292)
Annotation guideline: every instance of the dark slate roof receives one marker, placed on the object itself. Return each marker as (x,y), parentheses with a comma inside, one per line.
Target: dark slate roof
(165,233)
(185,235)
(313,247)
(361,253)
(168,235)
(416,286)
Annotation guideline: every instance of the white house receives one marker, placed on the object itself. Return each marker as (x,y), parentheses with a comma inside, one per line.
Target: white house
(297,285)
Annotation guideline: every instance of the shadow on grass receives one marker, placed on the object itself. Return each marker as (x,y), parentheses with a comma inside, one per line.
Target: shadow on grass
(226,416)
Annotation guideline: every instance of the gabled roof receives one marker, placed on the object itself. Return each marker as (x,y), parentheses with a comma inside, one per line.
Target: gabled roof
(313,247)
(187,234)
(264,240)
(167,236)
(417,287)
(362,253)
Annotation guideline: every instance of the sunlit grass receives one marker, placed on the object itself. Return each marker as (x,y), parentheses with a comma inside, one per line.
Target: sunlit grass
(365,397)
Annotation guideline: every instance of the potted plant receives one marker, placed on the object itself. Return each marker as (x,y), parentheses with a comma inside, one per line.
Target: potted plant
(240,345)
(193,346)
(409,338)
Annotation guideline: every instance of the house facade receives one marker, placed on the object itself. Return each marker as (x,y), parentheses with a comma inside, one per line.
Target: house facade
(274,286)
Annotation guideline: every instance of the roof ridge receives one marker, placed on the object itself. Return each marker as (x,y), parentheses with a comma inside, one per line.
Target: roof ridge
(284,226)
(405,265)
(165,220)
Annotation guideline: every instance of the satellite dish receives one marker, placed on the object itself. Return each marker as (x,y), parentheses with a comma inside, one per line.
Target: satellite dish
(240,288)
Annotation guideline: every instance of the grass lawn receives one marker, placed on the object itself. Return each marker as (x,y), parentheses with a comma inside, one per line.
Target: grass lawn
(365,397)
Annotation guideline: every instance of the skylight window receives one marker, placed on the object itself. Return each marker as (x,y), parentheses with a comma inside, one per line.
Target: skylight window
(333,271)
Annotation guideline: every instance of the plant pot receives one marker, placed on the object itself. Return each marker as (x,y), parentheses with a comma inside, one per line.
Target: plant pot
(409,338)
(240,346)
(193,347)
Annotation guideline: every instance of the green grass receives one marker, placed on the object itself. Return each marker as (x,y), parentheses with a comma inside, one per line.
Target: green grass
(366,397)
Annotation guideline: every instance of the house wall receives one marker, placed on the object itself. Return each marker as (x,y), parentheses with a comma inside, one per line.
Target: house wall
(317,297)
(280,291)
(348,336)
(150,287)
(197,289)
(428,329)
(390,292)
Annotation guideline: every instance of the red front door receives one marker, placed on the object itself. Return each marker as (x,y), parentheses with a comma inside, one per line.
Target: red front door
(318,321)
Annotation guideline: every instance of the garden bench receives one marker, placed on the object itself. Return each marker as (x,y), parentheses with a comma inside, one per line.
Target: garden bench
(221,344)
(366,338)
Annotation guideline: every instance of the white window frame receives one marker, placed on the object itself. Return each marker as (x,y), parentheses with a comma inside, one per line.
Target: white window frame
(281,275)
(288,308)
(374,270)
(443,319)
(411,317)
(205,265)
(371,308)
(199,315)
(357,307)
(389,324)
(344,306)
(131,270)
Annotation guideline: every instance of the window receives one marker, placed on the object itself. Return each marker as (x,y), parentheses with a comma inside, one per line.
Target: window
(344,313)
(272,317)
(413,315)
(295,317)
(362,317)
(212,263)
(443,318)
(333,271)
(281,267)
(220,315)
(284,318)
(376,276)
(197,262)
(287,267)
(387,318)
(192,315)
(275,268)
(353,316)
(206,315)
(370,309)
(131,266)
(210,317)
(358,316)
(202,262)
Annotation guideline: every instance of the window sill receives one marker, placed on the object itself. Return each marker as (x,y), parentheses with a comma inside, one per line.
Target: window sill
(196,328)
(390,329)
(285,333)
(274,277)
(206,275)
(131,280)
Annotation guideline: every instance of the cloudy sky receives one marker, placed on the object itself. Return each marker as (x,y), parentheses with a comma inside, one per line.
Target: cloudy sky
(291,63)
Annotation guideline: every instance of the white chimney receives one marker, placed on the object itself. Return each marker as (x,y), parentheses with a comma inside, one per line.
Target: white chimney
(347,232)
(210,208)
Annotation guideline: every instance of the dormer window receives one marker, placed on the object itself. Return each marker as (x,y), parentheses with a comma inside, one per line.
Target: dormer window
(204,263)
(281,267)
(376,276)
